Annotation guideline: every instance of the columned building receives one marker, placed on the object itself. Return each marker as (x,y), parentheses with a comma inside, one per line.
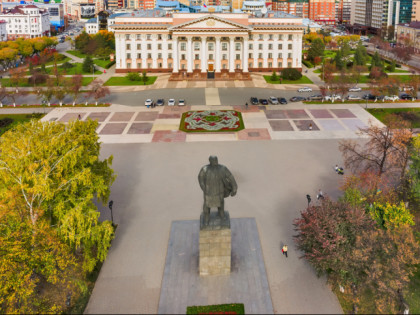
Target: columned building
(208,45)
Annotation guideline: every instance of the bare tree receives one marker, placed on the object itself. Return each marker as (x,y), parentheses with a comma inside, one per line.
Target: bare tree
(75,86)
(3,94)
(98,91)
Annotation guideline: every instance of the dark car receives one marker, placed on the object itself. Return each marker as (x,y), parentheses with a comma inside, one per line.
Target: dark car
(160,102)
(317,97)
(370,97)
(282,100)
(297,99)
(263,101)
(406,96)
(254,101)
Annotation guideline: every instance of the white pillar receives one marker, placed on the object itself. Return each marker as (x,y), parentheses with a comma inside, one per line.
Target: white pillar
(203,54)
(265,52)
(217,56)
(189,54)
(118,51)
(143,52)
(245,56)
(299,49)
(175,54)
(165,51)
(255,52)
(124,53)
(276,51)
(231,54)
(154,51)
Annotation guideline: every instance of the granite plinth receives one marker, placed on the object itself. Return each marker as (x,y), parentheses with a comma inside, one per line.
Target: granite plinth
(215,222)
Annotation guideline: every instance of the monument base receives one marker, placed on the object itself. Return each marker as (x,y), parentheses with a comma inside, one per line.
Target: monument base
(215,245)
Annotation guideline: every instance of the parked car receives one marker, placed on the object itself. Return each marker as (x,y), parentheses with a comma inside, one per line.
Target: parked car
(263,101)
(160,102)
(332,97)
(297,99)
(273,100)
(148,102)
(305,89)
(355,89)
(171,102)
(254,101)
(181,102)
(406,88)
(406,96)
(317,97)
(282,100)
(370,97)
(354,97)
(391,98)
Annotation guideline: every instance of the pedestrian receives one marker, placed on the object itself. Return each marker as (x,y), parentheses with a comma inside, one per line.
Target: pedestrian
(320,195)
(284,250)
(79,117)
(246,105)
(310,126)
(336,168)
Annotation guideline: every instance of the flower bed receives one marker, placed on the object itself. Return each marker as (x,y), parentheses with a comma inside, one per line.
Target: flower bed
(217,309)
(211,121)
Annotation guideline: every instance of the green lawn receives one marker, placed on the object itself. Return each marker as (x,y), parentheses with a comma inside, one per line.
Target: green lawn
(117,81)
(217,309)
(101,63)
(17,119)
(65,58)
(77,69)
(76,53)
(302,80)
(412,296)
(6,82)
(410,114)
(365,78)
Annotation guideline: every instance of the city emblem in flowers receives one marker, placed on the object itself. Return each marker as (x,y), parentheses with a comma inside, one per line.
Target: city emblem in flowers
(211,121)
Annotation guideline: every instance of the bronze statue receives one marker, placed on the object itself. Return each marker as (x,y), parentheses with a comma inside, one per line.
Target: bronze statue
(217,183)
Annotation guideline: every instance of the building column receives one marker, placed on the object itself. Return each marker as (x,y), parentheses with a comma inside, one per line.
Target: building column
(265,51)
(203,54)
(165,52)
(231,54)
(118,51)
(217,56)
(143,52)
(245,56)
(175,54)
(154,51)
(124,53)
(299,49)
(189,54)
(255,52)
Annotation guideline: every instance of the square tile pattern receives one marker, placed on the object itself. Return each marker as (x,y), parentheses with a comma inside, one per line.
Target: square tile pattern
(122,116)
(113,129)
(100,116)
(140,128)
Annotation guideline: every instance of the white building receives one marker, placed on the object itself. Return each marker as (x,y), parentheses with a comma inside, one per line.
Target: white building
(375,14)
(200,43)
(26,21)
(92,26)
(3,31)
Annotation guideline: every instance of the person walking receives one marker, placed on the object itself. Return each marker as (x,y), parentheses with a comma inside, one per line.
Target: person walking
(310,127)
(246,105)
(284,250)
(320,195)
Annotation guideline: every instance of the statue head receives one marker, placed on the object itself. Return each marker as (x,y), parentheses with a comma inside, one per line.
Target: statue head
(213,160)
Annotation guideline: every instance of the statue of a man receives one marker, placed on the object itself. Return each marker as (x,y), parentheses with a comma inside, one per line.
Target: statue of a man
(217,183)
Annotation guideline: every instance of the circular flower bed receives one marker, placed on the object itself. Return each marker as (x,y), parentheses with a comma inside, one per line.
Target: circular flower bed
(211,121)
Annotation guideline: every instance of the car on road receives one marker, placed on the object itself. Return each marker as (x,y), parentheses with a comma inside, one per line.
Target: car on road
(391,98)
(305,89)
(282,101)
(148,102)
(353,97)
(317,97)
(332,97)
(297,99)
(273,100)
(181,102)
(370,97)
(263,101)
(160,102)
(406,96)
(406,88)
(171,102)
(254,101)
(355,89)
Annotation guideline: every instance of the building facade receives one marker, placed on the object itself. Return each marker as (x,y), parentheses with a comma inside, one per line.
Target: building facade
(415,12)
(322,11)
(409,32)
(299,8)
(208,43)
(3,30)
(26,21)
(342,11)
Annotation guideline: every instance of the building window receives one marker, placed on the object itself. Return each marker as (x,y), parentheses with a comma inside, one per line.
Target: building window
(127,36)
(159,65)
(196,46)
(270,65)
(159,36)
(138,46)
(197,57)
(211,46)
(237,46)
(238,57)
(250,65)
(149,46)
(260,65)
(182,57)
(138,56)
(280,46)
(224,46)
(160,46)
(128,56)
(159,56)
(238,66)
(170,56)
(270,55)
(270,46)
(280,65)
(280,56)
(169,36)
(224,57)
(183,46)
(289,56)
(169,65)
(289,46)
(149,65)
(260,36)
(260,55)
(260,46)
(224,66)
(149,56)
(148,36)
(290,37)
(196,66)
(289,64)
(280,36)
(128,46)
(139,66)
(251,37)
(183,67)
(250,55)
(250,46)
(129,65)
(138,36)
(270,36)
(211,57)
(169,46)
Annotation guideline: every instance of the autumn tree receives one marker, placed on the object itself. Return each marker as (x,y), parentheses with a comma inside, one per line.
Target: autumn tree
(47,93)
(54,172)
(342,84)
(75,86)
(317,49)
(360,55)
(60,93)
(98,90)
(3,95)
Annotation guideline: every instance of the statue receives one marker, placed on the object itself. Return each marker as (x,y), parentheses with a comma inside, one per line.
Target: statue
(217,183)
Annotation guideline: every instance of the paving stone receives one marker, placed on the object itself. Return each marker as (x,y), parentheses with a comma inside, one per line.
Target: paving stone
(303,125)
(99,116)
(354,124)
(296,113)
(320,113)
(169,136)
(146,116)
(122,116)
(280,125)
(140,128)
(276,114)
(343,113)
(247,283)
(330,124)
(263,134)
(113,129)
(71,116)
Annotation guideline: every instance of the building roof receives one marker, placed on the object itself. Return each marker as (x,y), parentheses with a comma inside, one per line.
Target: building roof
(113,16)
(92,20)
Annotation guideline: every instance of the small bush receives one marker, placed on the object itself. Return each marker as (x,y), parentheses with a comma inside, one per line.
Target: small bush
(291,74)
(307,63)
(67,65)
(398,65)
(133,76)
(5,122)
(109,65)
(274,76)
(37,78)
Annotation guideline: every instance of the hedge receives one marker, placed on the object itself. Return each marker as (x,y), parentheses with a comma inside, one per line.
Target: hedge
(307,63)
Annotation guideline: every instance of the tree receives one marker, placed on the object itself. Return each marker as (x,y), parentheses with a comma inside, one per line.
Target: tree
(377,62)
(53,171)
(342,84)
(391,67)
(98,90)
(274,76)
(291,74)
(385,151)
(47,93)
(87,65)
(317,49)
(82,41)
(360,55)
(391,215)
(75,86)
(415,84)
(338,60)
(60,93)
(144,77)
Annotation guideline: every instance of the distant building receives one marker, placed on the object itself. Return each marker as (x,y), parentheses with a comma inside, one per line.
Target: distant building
(402,11)
(3,30)
(92,26)
(409,32)
(322,11)
(313,26)
(299,8)
(26,21)
(342,11)
(415,12)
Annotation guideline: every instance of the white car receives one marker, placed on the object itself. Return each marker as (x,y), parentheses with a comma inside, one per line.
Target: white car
(305,89)
(391,98)
(148,102)
(181,102)
(355,89)
(171,102)
(354,97)
(332,97)
(273,100)
(407,88)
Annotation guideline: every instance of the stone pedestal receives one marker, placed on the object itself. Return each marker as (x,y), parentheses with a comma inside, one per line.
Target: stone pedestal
(215,245)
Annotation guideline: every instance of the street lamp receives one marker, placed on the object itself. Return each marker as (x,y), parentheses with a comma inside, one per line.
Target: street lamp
(309,199)
(110,204)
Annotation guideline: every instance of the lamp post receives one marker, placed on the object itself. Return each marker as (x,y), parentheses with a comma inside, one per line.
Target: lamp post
(110,204)
(309,199)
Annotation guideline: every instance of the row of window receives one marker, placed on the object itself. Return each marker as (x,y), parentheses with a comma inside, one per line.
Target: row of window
(224,66)
(224,56)
(210,46)
(251,37)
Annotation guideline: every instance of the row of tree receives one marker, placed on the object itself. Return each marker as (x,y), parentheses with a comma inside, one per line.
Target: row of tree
(365,241)
(101,44)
